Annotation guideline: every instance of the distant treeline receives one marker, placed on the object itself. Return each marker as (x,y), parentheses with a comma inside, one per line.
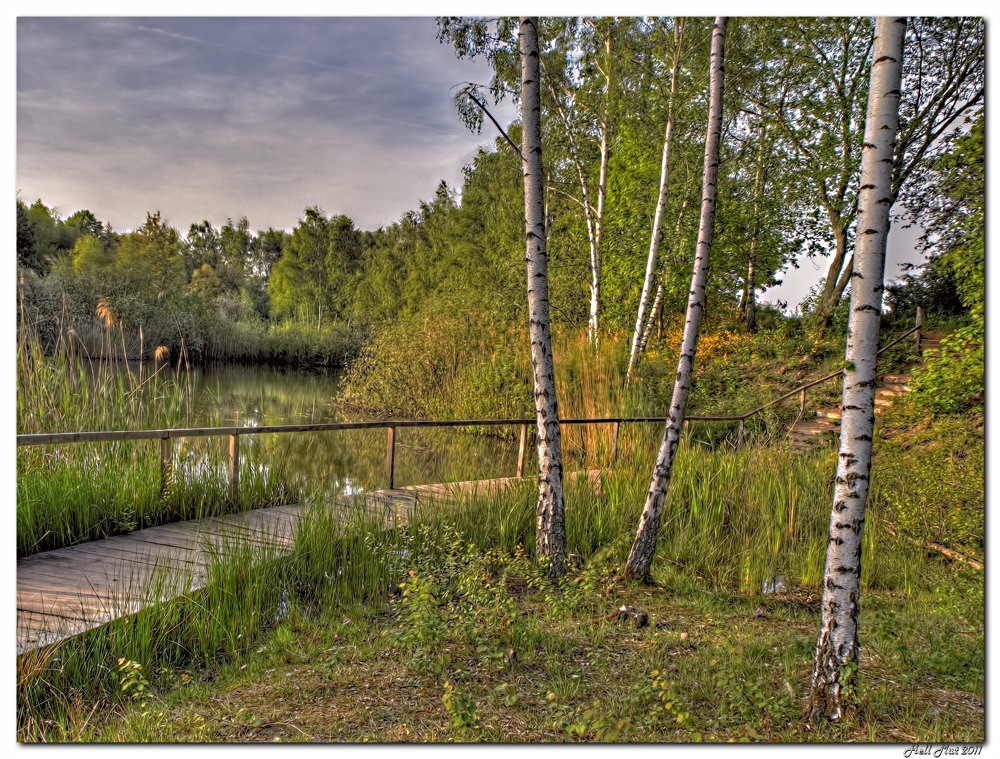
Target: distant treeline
(447,279)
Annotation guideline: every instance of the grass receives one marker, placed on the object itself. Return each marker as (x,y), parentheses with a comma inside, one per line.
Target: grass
(444,630)
(286,344)
(73,493)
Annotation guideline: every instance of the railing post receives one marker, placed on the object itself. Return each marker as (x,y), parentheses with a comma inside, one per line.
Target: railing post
(614,441)
(390,455)
(522,451)
(687,426)
(920,323)
(802,402)
(234,468)
(164,465)
(739,437)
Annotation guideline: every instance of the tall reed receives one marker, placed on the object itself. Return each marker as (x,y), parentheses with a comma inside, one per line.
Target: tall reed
(84,491)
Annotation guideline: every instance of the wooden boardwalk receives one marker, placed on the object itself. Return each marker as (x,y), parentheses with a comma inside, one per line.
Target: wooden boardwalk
(68,591)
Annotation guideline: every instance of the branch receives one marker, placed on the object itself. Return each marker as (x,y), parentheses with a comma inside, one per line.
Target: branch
(482,107)
(950,553)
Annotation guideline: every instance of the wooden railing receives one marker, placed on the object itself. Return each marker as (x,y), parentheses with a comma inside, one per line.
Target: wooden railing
(235,433)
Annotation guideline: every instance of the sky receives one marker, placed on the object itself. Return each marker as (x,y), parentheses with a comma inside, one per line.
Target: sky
(212,118)
(217,118)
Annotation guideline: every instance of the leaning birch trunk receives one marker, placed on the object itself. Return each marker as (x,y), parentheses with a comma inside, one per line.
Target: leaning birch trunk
(656,312)
(602,195)
(593,224)
(550,535)
(835,667)
(750,305)
(640,558)
(661,206)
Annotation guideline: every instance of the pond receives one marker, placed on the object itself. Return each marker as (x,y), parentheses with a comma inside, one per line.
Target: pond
(333,462)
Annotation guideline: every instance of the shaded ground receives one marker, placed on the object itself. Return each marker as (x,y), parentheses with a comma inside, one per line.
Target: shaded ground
(466,665)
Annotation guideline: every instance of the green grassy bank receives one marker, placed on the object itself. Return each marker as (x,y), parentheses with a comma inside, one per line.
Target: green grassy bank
(443,629)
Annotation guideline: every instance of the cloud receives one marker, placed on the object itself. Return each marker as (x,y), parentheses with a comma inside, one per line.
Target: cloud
(220,117)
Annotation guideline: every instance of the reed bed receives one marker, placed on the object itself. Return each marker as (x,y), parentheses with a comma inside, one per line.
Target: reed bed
(73,493)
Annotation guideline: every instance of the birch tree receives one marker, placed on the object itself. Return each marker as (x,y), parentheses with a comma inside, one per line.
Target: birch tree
(550,535)
(643,549)
(836,658)
(582,47)
(816,102)
(748,305)
(661,204)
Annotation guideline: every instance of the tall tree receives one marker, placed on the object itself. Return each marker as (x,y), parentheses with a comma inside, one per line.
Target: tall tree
(748,304)
(836,659)
(300,280)
(816,100)
(26,253)
(550,535)
(640,558)
(661,205)
(585,105)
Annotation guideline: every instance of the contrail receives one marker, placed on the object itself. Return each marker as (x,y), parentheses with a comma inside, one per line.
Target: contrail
(277,56)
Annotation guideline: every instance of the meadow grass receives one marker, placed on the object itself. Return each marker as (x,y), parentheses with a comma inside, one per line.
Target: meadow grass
(285,344)
(77,492)
(444,629)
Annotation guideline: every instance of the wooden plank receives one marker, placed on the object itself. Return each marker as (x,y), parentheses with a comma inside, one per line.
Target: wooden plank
(68,591)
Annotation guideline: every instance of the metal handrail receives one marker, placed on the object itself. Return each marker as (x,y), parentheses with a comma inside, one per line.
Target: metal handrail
(235,432)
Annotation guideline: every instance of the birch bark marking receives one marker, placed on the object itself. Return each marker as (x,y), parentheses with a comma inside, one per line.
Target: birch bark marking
(640,558)
(837,648)
(661,205)
(550,535)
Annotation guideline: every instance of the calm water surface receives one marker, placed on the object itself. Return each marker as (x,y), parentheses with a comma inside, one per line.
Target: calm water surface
(332,462)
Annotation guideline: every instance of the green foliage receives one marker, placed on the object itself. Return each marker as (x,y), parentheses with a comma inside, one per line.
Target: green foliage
(316,275)
(953,380)
(132,683)
(929,478)
(461,709)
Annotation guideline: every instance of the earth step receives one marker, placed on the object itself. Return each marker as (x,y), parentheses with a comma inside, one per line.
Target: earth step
(830,413)
(811,431)
(892,391)
(895,379)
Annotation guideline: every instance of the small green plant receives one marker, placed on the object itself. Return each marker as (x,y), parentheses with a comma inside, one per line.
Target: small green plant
(461,709)
(133,686)
(747,702)
(422,625)
(666,702)
(590,720)
(507,693)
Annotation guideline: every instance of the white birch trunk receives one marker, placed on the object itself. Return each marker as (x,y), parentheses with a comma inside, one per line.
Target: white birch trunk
(550,535)
(837,648)
(651,319)
(656,312)
(644,548)
(602,194)
(750,305)
(593,224)
(661,204)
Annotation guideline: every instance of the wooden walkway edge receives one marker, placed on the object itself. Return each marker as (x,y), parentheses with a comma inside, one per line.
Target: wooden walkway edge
(68,591)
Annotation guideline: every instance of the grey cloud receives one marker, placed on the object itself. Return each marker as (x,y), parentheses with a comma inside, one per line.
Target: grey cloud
(211,118)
